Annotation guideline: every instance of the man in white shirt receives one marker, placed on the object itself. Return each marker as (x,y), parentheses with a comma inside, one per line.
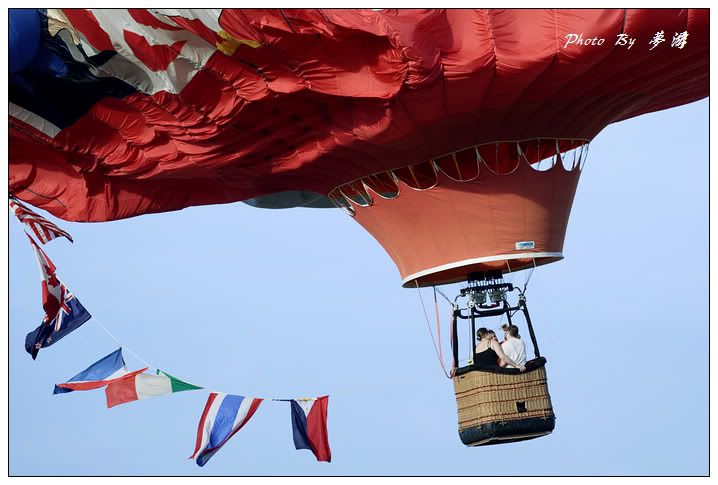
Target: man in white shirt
(513,346)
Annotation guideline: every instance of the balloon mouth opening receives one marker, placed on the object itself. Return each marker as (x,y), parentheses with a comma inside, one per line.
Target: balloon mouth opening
(458,271)
(507,213)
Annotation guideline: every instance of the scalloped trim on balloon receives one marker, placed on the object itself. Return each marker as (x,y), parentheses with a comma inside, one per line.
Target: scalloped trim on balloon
(465,165)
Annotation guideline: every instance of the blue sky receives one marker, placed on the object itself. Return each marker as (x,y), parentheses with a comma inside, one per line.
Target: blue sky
(301,302)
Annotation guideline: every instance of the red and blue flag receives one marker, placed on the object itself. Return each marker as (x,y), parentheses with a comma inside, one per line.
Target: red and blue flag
(63,312)
(70,316)
(309,426)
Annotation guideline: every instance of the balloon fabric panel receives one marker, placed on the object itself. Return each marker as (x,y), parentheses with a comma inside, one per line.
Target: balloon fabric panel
(263,101)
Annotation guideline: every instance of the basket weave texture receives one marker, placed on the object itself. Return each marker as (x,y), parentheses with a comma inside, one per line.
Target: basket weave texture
(486,397)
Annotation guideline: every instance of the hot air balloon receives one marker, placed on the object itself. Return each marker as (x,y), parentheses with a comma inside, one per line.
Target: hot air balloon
(455,137)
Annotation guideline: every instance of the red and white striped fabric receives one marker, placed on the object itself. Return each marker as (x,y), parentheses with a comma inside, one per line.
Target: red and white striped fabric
(43,229)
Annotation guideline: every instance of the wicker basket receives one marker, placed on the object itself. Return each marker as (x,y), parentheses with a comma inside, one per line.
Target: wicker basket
(500,407)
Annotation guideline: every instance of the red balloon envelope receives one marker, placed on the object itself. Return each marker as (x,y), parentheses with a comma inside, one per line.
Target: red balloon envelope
(455,137)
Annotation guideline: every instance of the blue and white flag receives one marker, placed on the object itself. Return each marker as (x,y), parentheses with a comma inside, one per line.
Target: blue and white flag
(223,416)
(105,371)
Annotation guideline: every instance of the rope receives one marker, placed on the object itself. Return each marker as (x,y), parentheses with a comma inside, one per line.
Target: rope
(445,297)
(451,340)
(526,283)
(428,326)
(438,330)
(123,346)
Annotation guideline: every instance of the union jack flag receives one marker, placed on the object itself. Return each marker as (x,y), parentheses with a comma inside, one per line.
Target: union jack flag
(63,312)
(44,230)
(69,317)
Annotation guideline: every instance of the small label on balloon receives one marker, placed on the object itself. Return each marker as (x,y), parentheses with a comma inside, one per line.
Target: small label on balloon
(525,245)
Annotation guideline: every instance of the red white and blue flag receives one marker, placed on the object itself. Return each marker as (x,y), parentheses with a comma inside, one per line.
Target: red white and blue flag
(63,312)
(223,416)
(107,370)
(44,230)
(70,316)
(309,426)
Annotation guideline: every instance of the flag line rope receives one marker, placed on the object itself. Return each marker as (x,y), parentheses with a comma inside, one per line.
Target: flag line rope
(123,346)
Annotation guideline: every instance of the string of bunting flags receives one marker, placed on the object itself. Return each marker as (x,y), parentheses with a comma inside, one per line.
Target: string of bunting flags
(223,415)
